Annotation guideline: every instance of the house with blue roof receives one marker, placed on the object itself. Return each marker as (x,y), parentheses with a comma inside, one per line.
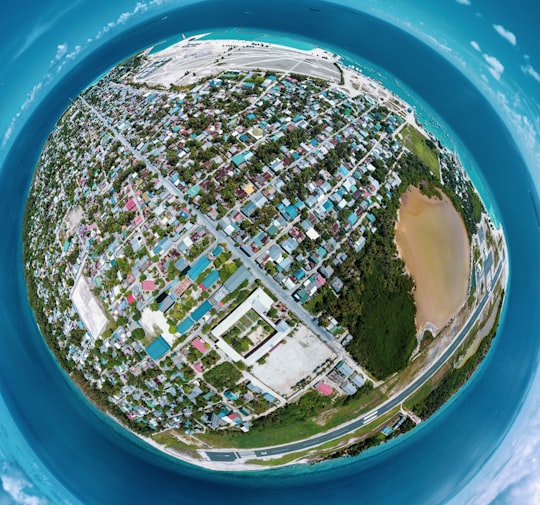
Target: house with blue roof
(342,171)
(311,201)
(290,245)
(193,191)
(185,325)
(234,281)
(163,246)
(252,387)
(276,253)
(300,274)
(248,209)
(358,380)
(349,389)
(198,268)
(210,279)
(273,230)
(182,265)
(328,205)
(258,240)
(345,370)
(231,396)
(290,212)
(352,218)
(217,251)
(167,302)
(336,284)
(158,348)
(321,251)
(240,158)
(301,295)
(201,310)
(269,398)
(285,264)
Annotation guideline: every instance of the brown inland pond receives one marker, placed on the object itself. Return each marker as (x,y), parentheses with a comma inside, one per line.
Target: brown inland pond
(432,241)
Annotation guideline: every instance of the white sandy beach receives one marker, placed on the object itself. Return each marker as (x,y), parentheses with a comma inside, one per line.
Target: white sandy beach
(191,60)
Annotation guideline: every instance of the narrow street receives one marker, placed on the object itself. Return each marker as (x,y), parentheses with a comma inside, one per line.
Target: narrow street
(279,293)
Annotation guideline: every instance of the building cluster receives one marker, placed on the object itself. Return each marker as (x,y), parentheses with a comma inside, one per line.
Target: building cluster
(164,222)
(283,164)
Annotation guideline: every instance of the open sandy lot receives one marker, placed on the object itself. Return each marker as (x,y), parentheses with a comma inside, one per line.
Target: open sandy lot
(292,361)
(190,60)
(88,307)
(155,323)
(193,59)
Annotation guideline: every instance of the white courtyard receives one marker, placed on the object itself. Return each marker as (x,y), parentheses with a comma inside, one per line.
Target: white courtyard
(88,307)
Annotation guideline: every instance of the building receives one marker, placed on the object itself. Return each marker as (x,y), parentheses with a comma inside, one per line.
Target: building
(148,285)
(198,268)
(201,310)
(259,301)
(210,280)
(185,326)
(234,281)
(324,388)
(157,348)
(166,303)
(198,344)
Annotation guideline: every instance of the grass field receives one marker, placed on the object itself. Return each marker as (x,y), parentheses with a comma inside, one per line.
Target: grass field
(294,430)
(169,440)
(415,142)
(328,448)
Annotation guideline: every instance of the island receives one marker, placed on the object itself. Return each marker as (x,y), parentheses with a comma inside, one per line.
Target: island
(251,255)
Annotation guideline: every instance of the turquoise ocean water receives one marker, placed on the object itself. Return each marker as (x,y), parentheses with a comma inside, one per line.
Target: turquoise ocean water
(97,463)
(240,34)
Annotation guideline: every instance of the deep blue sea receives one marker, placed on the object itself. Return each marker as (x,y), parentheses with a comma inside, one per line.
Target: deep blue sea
(82,457)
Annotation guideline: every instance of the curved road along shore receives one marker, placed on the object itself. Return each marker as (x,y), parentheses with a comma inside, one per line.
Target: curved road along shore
(243,454)
(228,455)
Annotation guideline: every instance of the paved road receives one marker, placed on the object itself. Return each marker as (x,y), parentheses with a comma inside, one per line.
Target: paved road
(306,319)
(370,416)
(223,456)
(302,314)
(266,280)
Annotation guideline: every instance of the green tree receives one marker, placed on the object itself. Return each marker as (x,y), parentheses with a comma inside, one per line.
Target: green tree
(223,376)
(172,157)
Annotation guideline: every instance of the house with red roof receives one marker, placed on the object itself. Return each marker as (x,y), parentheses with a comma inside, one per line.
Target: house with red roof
(130,204)
(148,285)
(130,299)
(324,389)
(233,418)
(199,345)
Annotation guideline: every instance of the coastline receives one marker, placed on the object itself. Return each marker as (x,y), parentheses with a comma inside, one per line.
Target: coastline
(212,465)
